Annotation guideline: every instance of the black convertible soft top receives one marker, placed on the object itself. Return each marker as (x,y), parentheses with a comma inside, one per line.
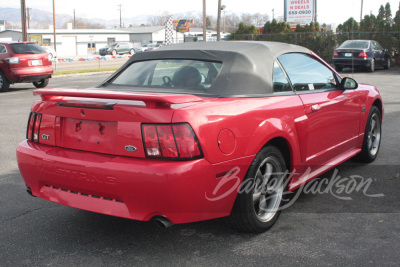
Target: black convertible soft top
(247,65)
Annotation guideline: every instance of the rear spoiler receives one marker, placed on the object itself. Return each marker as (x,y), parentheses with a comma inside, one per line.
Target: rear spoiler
(150,99)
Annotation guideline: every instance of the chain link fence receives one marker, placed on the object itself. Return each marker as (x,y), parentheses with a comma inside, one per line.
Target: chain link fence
(324,43)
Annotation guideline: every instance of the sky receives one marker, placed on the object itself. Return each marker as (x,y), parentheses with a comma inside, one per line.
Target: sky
(328,11)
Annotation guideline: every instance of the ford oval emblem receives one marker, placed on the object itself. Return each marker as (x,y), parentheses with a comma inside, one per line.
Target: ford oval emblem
(130,148)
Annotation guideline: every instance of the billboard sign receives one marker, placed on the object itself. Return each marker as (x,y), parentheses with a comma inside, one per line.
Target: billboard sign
(36,38)
(182,25)
(299,11)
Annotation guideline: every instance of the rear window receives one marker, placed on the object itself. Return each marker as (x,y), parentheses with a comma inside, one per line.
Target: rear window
(27,49)
(169,73)
(355,44)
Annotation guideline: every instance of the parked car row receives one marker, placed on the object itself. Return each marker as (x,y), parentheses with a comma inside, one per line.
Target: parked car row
(119,48)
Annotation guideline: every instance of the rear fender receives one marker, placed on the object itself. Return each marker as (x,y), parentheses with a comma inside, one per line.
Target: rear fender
(273,128)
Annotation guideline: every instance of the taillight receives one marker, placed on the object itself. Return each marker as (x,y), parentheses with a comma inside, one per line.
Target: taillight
(32,133)
(172,141)
(12,60)
(335,54)
(362,54)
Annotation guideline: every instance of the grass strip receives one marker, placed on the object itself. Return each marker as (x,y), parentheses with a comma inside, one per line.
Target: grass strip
(66,72)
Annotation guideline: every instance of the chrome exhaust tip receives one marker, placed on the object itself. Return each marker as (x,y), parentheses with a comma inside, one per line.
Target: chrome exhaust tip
(29,191)
(162,222)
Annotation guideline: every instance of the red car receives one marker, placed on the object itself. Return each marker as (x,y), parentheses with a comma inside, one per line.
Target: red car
(199,131)
(24,62)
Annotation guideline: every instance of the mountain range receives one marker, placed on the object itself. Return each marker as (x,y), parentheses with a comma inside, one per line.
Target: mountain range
(42,19)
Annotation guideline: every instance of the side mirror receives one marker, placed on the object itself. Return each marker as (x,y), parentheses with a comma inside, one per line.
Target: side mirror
(348,83)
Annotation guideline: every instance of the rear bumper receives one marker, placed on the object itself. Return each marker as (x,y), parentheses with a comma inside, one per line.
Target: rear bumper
(182,191)
(29,74)
(352,62)
(103,53)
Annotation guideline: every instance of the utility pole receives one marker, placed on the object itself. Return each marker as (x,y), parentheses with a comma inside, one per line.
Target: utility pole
(23,21)
(315,11)
(54,26)
(120,15)
(219,21)
(223,7)
(28,15)
(74,20)
(285,11)
(273,14)
(362,2)
(204,22)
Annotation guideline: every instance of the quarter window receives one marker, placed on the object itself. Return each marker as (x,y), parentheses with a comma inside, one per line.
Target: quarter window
(378,46)
(280,81)
(3,49)
(306,73)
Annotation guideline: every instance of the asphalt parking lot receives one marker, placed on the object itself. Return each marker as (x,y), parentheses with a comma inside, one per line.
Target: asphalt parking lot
(320,229)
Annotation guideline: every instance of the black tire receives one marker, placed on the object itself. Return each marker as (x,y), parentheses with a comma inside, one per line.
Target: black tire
(114,52)
(371,67)
(42,83)
(372,136)
(247,214)
(132,52)
(387,65)
(4,84)
(338,68)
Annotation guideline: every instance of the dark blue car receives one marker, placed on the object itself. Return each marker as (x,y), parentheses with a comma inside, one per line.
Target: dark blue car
(367,54)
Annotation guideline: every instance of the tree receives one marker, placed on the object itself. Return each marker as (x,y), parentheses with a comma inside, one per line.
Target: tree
(246,29)
(369,23)
(209,20)
(159,20)
(349,25)
(396,21)
(276,27)
(388,13)
(380,19)
(231,22)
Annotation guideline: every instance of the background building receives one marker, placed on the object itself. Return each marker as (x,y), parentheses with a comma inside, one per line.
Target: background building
(72,42)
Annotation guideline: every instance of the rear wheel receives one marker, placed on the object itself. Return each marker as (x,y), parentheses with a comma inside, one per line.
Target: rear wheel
(371,68)
(372,136)
(387,65)
(338,68)
(257,206)
(4,84)
(42,83)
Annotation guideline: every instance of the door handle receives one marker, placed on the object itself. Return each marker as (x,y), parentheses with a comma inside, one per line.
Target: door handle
(315,107)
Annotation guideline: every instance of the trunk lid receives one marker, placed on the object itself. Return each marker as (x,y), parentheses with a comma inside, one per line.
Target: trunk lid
(346,52)
(99,121)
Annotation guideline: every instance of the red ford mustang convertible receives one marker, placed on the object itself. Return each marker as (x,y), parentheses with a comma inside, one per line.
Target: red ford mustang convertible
(197,131)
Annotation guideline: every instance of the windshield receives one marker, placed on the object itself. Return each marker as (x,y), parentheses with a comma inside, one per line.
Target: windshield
(111,45)
(27,49)
(355,44)
(185,74)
